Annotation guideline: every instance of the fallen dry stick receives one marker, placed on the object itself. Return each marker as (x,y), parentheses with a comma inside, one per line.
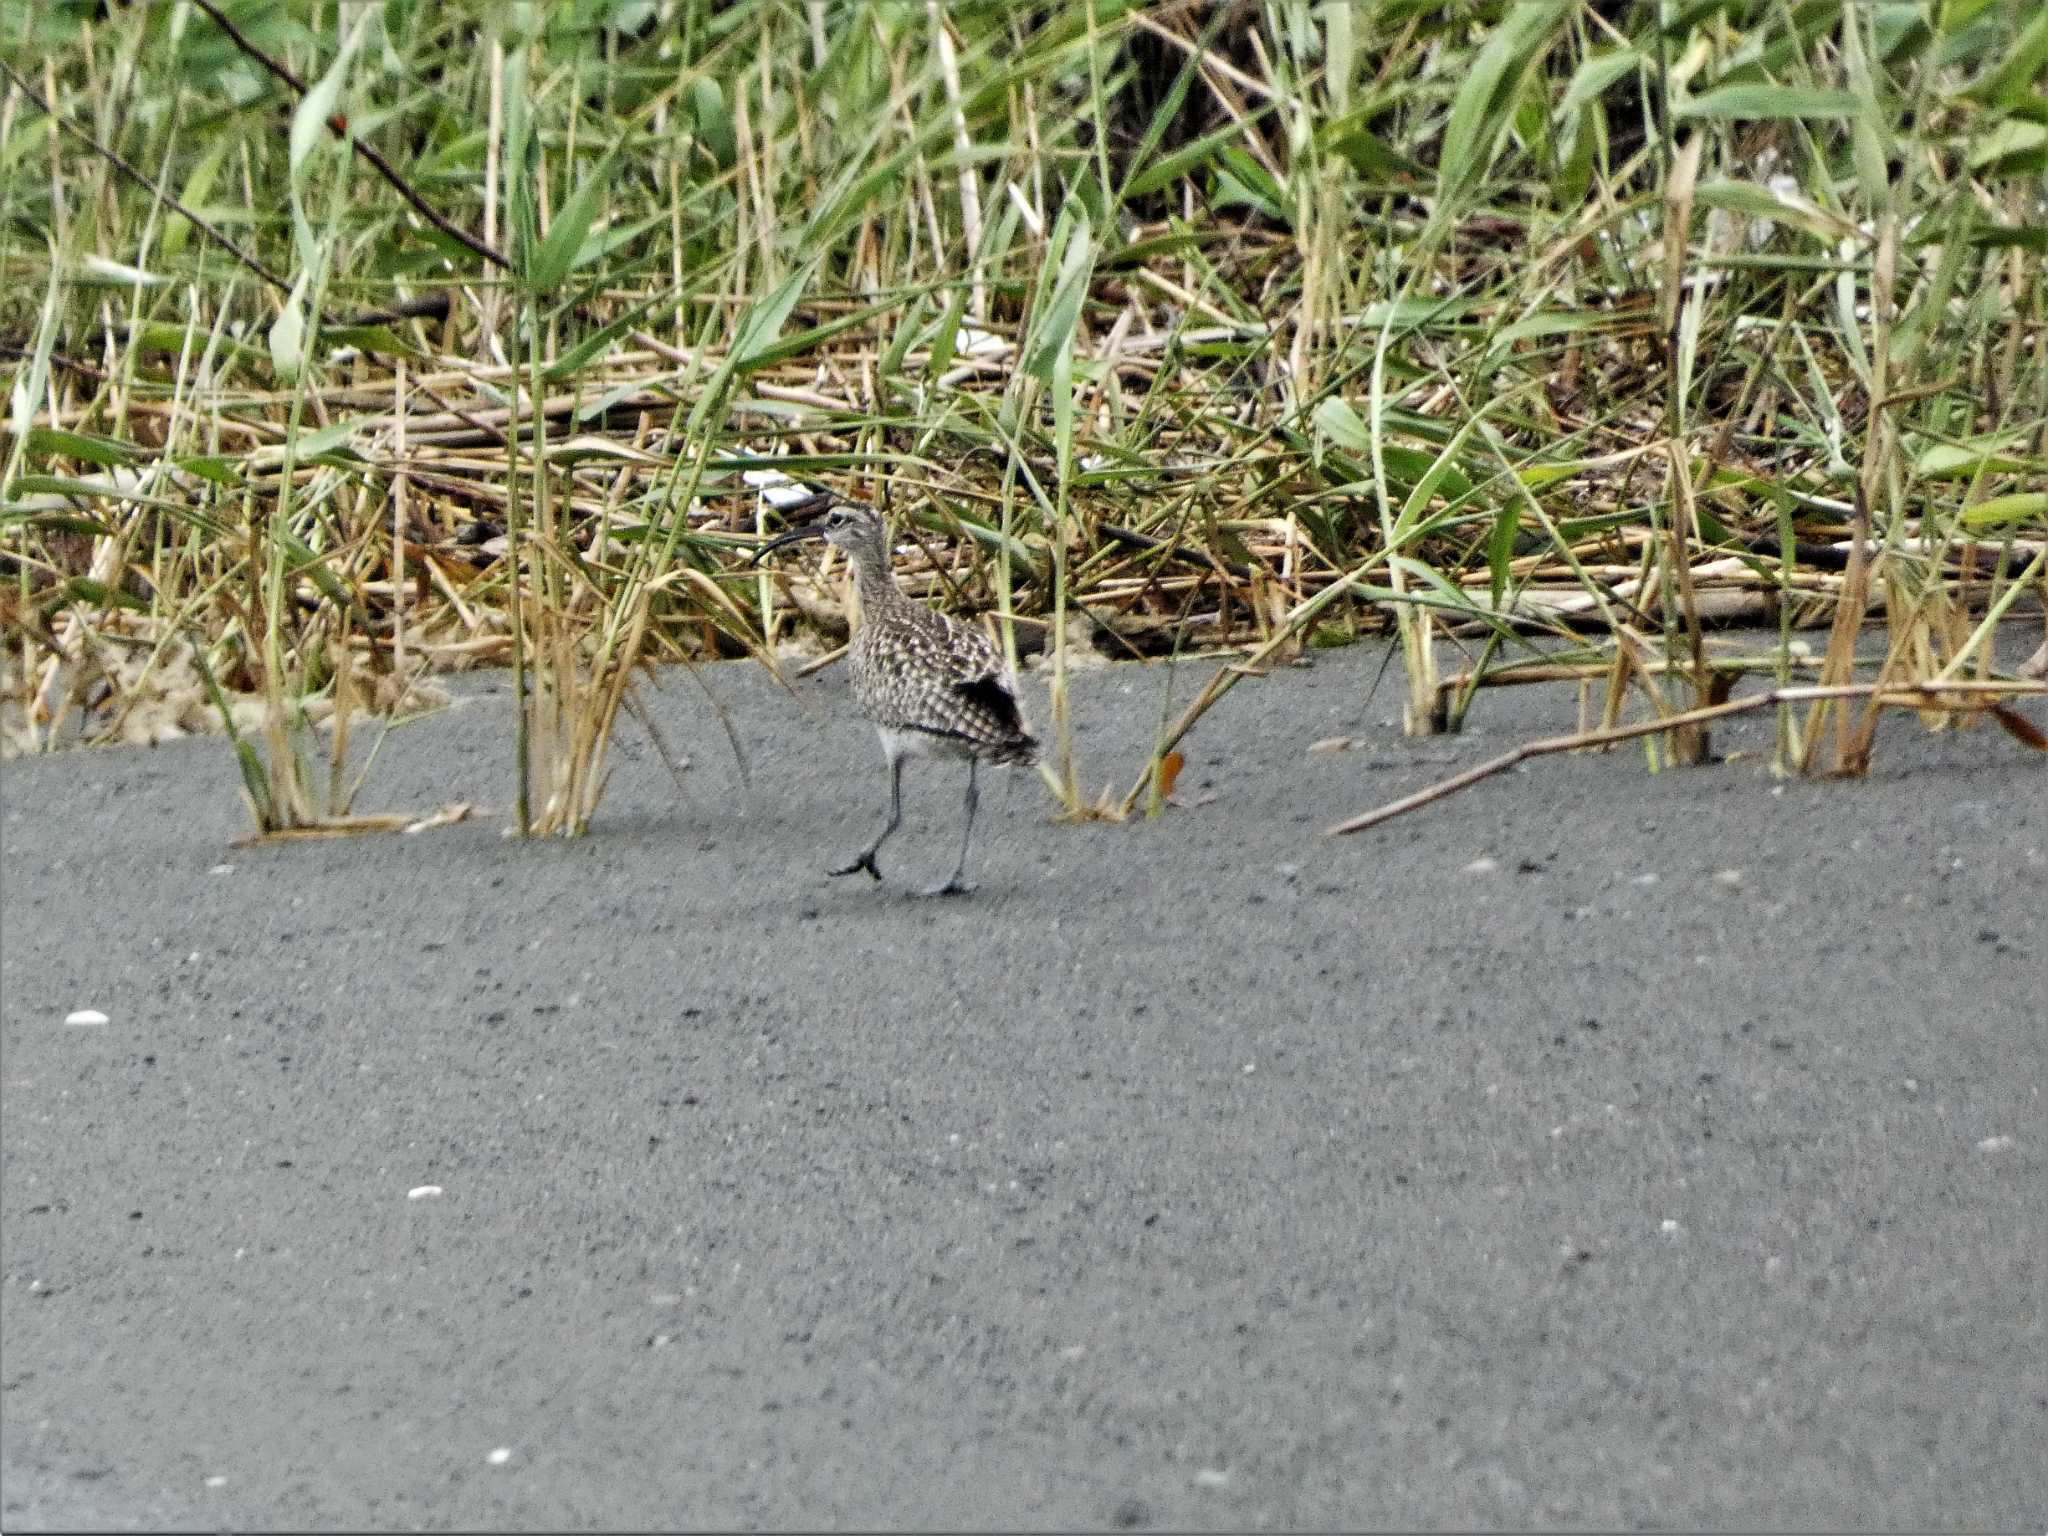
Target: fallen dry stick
(1899,695)
(327,826)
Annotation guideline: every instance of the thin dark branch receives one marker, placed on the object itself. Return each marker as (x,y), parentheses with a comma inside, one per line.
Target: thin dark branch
(121,165)
(60,359)
(367,150)
(1130,538)
(427,306)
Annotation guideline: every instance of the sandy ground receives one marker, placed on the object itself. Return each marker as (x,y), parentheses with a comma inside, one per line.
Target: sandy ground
(1684,1166)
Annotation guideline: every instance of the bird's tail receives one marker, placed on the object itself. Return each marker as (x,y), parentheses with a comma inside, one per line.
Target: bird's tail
(1021,749)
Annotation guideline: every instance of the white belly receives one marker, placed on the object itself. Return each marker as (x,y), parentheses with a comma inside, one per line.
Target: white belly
(897,743)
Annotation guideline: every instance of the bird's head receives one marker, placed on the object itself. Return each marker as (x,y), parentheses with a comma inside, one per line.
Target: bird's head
(849,525)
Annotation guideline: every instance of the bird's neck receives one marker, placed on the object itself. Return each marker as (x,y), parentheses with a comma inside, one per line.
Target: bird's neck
(877,585)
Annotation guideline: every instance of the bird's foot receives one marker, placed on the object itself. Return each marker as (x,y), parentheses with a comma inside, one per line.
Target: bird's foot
(957,886)
(865,862)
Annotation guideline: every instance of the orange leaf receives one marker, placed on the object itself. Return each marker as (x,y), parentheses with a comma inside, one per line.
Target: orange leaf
(2019,726)
(1169,772)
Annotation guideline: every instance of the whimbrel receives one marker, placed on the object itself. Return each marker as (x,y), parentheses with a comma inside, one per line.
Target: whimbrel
(932,686)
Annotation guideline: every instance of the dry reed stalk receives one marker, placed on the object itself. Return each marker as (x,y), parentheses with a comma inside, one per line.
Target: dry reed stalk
(1958,696)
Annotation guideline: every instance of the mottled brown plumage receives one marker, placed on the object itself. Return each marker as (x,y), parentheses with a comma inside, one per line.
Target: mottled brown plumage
(934,687)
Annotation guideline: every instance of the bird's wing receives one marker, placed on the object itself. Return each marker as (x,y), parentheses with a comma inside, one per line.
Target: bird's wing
(971,656)
(982,677)
(941,676)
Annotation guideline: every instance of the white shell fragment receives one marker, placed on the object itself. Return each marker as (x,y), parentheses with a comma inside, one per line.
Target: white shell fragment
(973,341)
(777,489)
(85,1016)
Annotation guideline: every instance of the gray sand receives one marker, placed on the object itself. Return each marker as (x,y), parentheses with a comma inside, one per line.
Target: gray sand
(1198,1173)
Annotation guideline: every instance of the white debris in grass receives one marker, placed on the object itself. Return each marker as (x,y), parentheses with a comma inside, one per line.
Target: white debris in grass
(1483,866)
(783,497)
(85,1016)
(500,1456)
(973,341)
(424,1192)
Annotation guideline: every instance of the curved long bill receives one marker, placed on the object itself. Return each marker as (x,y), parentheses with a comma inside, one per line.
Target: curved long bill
(795,535)
(818,503)
(805,506)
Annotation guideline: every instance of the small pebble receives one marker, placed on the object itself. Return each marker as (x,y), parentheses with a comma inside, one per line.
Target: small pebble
(1994,1143)
(1212,1477)
(1728,877)
(1482,866)
(85,1016)
(423,1192)
(216,1482)
(500,1456)
(1667,1225)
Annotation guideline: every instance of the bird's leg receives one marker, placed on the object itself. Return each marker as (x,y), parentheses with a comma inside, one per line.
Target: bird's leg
(959,884)
(866,860)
